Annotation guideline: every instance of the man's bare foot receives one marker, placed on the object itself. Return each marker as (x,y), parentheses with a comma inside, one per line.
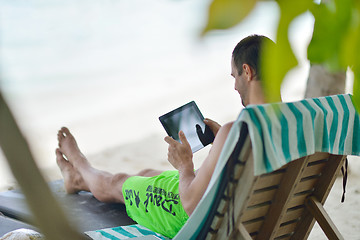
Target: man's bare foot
(69,147)
(72,179)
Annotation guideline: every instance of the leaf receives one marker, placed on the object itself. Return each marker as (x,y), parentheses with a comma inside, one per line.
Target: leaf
(224,14)
(356,90)
(278,60)
(349,52)
(332,21)
(350,47)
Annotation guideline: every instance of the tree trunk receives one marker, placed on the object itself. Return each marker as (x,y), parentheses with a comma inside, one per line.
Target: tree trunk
(323,83)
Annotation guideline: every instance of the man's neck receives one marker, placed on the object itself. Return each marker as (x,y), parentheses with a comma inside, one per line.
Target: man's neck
(256,95)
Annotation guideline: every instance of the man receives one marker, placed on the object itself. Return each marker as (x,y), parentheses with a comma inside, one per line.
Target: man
(163,201)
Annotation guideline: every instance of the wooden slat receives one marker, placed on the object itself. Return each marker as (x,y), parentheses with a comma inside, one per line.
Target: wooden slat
(318,156)
(253,226)
(306,185)
(211,236)
(222,232)
(230,189)
(284,237)
(217,221)
(261,197)
(314,169)
(286,229)
(329,175)
(223,205)
(293,214)
(297,201)
(292,175)
(269,180)
(256,212)
(322,190)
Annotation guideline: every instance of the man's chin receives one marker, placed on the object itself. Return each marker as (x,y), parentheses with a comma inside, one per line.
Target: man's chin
(242,102)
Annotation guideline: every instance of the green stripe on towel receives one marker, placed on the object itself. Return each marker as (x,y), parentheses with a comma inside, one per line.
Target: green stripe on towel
(344,124)
(356,140)
(299,129)
(108,235)
(334,124)
(124,232)
(256,122)
(284,137)
(325,138)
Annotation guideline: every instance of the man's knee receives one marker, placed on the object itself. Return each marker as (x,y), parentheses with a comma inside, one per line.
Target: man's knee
(118,180)
(149,172)
(113,191)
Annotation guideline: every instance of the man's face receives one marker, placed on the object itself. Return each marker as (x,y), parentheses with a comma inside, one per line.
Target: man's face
(240,83)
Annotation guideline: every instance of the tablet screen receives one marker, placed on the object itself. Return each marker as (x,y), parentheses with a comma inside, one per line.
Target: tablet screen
(189,119)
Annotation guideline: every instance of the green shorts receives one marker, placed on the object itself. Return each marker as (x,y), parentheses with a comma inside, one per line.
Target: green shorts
(154,202)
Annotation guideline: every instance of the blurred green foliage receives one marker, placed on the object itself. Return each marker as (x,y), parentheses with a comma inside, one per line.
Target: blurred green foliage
(335,42)
(224,14)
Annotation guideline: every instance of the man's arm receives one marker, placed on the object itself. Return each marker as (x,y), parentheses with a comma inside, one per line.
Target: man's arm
(192,187)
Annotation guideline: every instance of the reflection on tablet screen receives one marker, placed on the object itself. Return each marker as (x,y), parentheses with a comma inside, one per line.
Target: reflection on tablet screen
(185,118)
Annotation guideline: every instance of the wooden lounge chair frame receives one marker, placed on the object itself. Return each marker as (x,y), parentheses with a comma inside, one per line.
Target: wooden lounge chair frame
(283,204)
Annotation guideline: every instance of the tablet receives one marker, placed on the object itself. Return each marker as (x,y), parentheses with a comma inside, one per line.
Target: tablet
(188,119)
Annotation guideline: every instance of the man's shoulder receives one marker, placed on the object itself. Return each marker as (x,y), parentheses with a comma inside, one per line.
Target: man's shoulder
(227,126)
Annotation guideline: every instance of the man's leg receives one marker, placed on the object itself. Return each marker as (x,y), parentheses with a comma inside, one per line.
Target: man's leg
(80,175)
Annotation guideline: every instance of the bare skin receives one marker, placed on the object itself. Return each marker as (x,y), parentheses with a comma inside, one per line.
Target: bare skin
(80,175)
(73,180)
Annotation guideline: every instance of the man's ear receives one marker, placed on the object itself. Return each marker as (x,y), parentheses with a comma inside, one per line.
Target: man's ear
(248,72)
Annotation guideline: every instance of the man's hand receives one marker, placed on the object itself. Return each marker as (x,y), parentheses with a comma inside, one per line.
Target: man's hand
(214,126)
(180,154)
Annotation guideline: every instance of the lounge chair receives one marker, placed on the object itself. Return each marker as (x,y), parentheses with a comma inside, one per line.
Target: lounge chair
(276,171)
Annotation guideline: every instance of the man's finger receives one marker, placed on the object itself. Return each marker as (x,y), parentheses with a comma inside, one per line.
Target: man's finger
(214,126)
(170,140)
(211,123)
(183,138)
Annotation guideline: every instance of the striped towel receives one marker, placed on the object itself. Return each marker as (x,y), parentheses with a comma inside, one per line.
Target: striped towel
(125,232)
(283,132)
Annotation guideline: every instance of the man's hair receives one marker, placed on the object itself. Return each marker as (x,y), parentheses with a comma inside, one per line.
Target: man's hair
(248,51)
